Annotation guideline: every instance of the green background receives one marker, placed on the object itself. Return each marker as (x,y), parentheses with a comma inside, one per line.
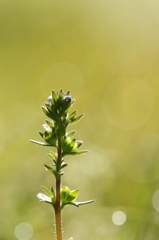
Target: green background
(107,54)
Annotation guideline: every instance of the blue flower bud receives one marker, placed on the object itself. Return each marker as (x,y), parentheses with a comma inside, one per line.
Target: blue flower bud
(67,98)
(49,99)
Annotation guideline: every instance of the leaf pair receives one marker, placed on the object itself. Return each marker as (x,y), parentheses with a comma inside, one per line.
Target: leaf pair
(70,146)
(72,117)
(68,197)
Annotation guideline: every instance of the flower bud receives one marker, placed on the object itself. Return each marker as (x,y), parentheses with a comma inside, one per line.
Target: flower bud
(67,98)
(49,99)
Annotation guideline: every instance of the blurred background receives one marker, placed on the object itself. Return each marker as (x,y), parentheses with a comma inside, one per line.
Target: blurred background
(107,54)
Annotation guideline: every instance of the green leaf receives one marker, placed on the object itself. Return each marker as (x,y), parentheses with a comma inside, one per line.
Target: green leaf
(53,192)
(74,153)
(68,93)
(46,136)
(84,203)
(48,106)
(72,195)
(50,169)
(70,203)
(61,93)
(77,118)
(66,144)
(63,165)
(65,106)
(46,127)
(71,134)
(49,136)
(56,174)
(54,97)
(43,198)
(72,115)
(67,195)
(51,113)
(52,155)
(41,134)
(79,143)
(48,192)
(40,143)
(49,123)
(61,131)
(72,144)
(45,111)
(65,191)
(77,204)
(59,99)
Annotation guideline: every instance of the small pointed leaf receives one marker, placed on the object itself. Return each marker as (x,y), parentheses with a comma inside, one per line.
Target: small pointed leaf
(70,203)
(65,191)
(45,111)
(54,97)
(74,153)
(49,123)
(84,203)
(68,92)
(40,143)
(48,192)
(50,169)
(53,192)
(41,134)
(46,127)
(48,106)
(71,134)
(73,195)
(72,144)
(77,204)
(77,118)
(63,165)
(43,198)
(79,143)
(52,155)
(72,115)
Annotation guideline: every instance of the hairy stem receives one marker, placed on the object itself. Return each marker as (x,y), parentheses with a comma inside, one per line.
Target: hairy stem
(58,217)
(58,214)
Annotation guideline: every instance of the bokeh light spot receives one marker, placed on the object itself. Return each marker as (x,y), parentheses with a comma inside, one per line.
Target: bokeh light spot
(155,200)
(118,218)
(128,102)
(24,231)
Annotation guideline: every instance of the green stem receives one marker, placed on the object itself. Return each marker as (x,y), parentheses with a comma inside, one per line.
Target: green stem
(58,214)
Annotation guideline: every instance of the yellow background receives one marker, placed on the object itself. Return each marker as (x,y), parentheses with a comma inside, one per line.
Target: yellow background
(107,54)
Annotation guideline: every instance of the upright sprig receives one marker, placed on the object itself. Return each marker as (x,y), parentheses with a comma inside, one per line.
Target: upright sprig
(56,135)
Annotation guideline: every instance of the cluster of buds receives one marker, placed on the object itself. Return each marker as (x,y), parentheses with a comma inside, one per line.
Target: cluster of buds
(57,109)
